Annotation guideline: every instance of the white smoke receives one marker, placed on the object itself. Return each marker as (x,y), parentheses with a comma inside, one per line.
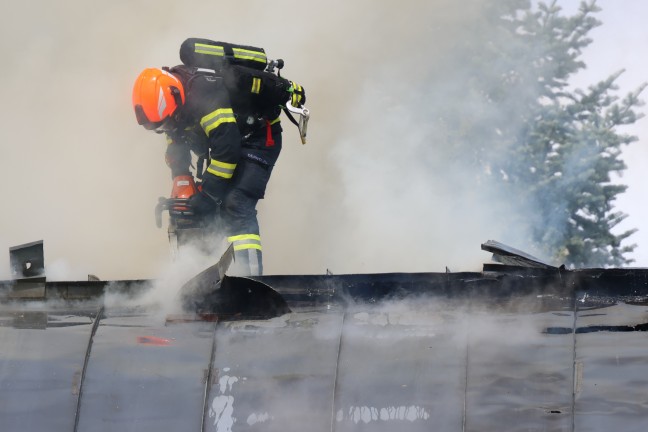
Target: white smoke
(161,297)
(358,197)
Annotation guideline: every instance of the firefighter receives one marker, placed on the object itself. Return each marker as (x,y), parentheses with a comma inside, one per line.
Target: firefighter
(238,135)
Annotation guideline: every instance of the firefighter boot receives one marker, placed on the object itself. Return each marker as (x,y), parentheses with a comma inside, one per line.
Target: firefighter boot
(247,255)
(247,262)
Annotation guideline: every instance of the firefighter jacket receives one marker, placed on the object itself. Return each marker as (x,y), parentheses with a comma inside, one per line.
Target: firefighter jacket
(213,123)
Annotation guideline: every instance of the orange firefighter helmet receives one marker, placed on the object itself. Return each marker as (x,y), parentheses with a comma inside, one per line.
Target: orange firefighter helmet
(157,94)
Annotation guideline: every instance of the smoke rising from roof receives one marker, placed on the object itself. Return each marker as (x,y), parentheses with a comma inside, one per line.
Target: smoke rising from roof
(372,191)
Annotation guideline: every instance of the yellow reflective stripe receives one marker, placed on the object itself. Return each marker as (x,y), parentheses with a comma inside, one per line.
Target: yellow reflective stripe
(256,85)
(296,93)
(216,50)
(277,120)
(244,237)
(294,87)
(221,169)
(239,53)
(245,241)
(214,119)
(247,246)
(244,54)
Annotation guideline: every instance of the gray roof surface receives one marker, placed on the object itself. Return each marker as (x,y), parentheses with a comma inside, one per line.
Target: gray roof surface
(515,350)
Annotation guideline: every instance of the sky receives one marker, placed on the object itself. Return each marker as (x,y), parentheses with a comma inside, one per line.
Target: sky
(81,175)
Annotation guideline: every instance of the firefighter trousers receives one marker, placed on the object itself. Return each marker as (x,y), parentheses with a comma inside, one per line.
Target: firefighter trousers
(238,210)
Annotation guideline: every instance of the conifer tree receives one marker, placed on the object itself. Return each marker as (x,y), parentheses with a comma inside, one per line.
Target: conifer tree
(577,146)
(556,148)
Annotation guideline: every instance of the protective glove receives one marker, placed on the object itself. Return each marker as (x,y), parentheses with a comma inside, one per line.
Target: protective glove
(209,195)
(298,95)
(202,203)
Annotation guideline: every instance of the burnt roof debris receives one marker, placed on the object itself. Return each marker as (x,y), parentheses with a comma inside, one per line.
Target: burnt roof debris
(507,255)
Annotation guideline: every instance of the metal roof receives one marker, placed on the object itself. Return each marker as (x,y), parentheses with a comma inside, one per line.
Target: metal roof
(514,347)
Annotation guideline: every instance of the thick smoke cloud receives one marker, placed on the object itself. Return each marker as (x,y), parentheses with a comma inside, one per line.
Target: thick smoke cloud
(370,192)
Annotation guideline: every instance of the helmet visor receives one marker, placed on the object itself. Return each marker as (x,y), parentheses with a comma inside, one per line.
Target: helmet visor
(166,125)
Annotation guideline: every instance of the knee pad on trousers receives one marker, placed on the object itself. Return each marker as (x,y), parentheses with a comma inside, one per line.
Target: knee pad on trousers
(237,204)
